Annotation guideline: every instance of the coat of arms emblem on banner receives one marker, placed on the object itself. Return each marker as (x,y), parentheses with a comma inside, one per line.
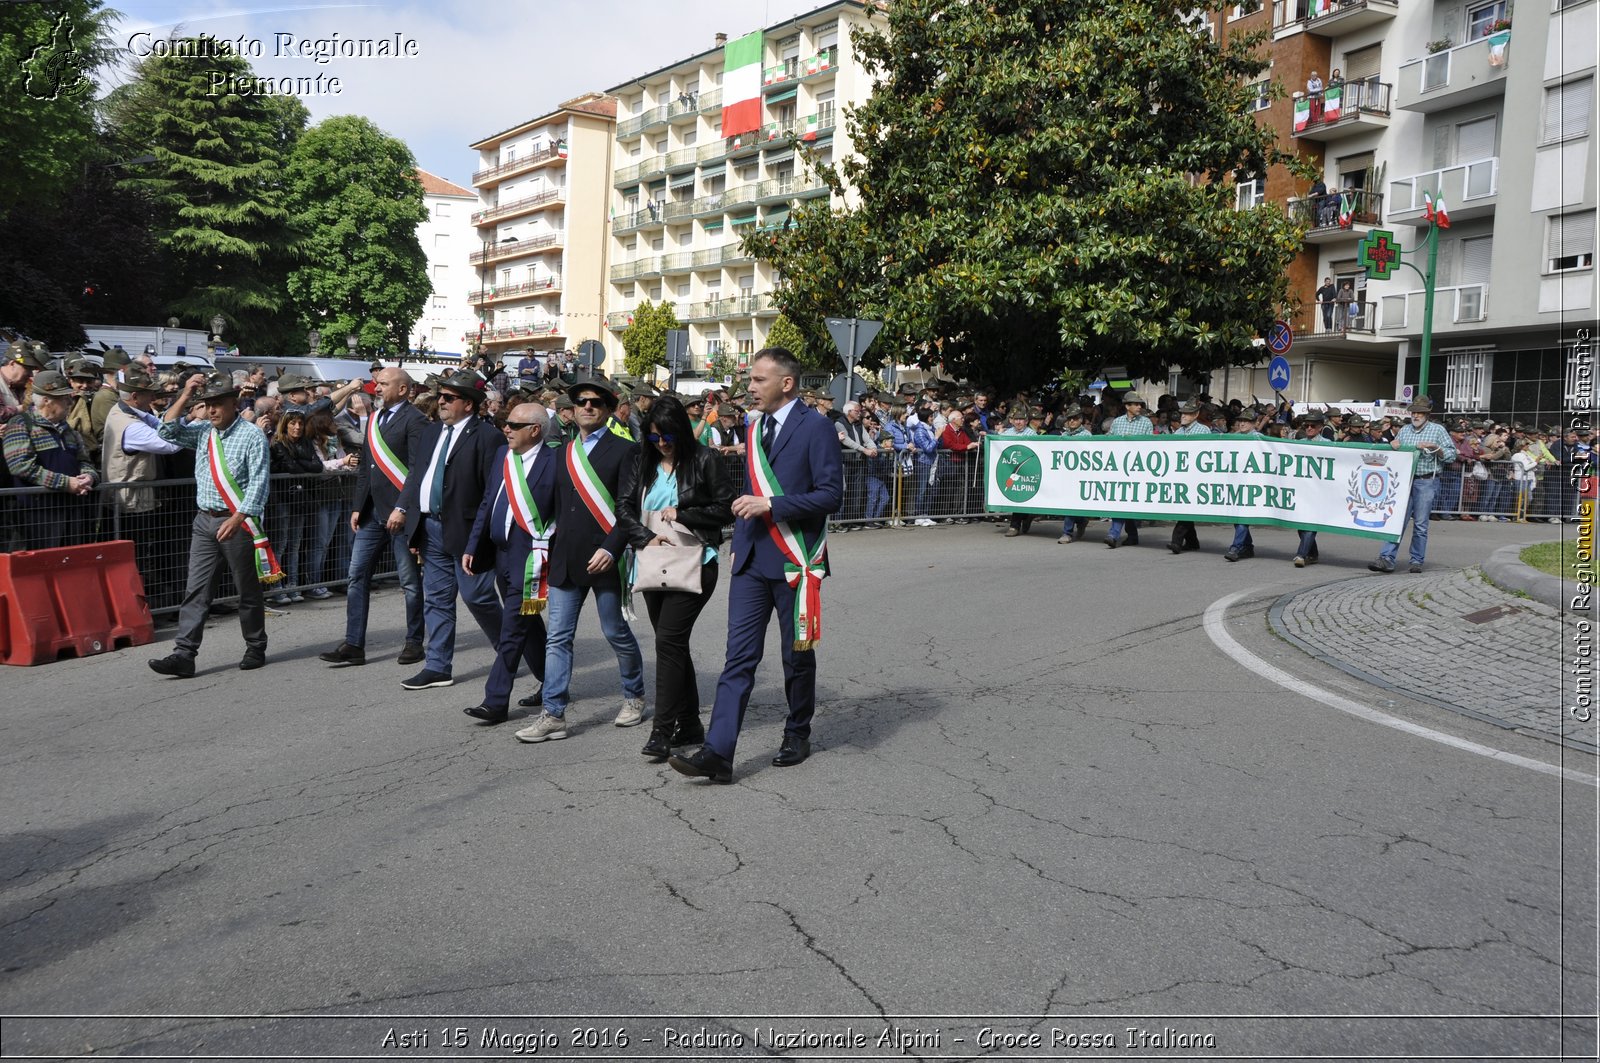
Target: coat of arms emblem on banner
(1372,492)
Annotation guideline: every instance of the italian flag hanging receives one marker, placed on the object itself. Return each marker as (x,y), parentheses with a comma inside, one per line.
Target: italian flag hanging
(810,131)
(267,570)
(805,566)
(741,85)
(1302,114)
(1332,103)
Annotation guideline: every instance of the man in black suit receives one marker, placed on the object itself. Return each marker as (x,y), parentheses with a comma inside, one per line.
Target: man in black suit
(455,462)
(795,481)
(393,439)
(512,531)
(597,467)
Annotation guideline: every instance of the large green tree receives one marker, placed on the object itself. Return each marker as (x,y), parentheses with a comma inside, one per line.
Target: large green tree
(215,187)
(356,202)
(644,342)
(1041,185)
(785,333)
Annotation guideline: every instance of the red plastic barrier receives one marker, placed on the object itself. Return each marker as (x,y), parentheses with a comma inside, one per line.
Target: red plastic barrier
(71,601)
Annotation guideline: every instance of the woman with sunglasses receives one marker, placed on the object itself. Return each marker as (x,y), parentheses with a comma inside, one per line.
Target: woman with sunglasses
(684,482)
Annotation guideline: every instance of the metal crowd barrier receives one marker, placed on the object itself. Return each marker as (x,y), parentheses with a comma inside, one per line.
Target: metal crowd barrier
(308,516)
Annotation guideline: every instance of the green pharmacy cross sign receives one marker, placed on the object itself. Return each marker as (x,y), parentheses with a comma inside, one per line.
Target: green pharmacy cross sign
(1379,254)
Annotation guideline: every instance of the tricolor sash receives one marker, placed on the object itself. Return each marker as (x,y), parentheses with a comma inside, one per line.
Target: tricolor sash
(393,469)
(267,570)
(805,566)
(598,501)
(519,498)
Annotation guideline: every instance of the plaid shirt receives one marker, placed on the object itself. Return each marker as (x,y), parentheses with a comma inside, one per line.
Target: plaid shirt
(28,435)
(1132,426)
(244,447)
(1195,429)
(1428,461)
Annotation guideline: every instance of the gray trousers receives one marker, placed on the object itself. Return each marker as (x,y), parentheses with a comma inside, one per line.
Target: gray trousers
(206,558)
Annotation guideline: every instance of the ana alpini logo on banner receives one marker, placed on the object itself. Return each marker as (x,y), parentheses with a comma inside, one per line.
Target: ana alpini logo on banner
(1019,473)
(1372,492)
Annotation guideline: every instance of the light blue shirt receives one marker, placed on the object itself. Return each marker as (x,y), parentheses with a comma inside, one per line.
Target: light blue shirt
(594,437)
(244,447)
(144,435)
(663,494)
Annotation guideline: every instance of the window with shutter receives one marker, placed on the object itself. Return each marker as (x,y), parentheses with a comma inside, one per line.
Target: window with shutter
(1570,242)
(1475,140)
(1566,110)
(1363,63)
(1475,257)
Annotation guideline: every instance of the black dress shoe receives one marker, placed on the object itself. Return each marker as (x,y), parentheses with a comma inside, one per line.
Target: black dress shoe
(410,653)
(689,732)
(703,763)
(657,747)
(1175,548)
(1132,540)
(792,752)
(488,715)
(175,664)
(345,654)
(532,701)
(252,661)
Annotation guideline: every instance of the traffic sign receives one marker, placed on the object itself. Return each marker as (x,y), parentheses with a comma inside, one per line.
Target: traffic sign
(1278,373)
(1408,392)
(852,335)
(1280,337)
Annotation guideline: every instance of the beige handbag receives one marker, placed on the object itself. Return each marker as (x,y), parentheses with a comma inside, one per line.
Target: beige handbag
(668,568)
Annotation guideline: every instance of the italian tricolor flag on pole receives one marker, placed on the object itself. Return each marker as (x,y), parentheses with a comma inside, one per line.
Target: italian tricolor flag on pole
(741,85)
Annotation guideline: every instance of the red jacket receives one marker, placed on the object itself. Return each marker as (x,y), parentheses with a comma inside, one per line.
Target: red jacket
(955,442)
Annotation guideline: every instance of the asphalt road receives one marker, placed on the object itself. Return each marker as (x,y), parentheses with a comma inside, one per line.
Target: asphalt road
(1042,802)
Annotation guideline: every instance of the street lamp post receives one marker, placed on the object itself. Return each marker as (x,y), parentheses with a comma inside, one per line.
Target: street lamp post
(352,341)
(218,323)
(314,341)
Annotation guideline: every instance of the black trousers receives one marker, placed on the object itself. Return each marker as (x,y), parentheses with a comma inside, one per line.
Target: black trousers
(672,617)
(1183,536)
(207,560)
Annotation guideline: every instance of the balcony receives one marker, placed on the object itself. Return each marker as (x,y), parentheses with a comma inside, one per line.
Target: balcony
(503,292)
(708,310)
(677,262)
(1469,191)
(720,256)
(520,206)
(1321,215)
(1352,108)
(639,267)
(632,126)
(717,149)
(678,211)
(1457,305)
(799,69)
(710,100)
(618,320)
(740,195)
(1329,18)
(515,333)
(682,159)
(643,170)
(512,167)
(744,144)
(515,248)
(1340,330)
(1452,77)
(683,107)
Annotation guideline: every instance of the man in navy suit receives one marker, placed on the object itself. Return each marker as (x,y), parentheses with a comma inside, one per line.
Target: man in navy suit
(394,439)
(442,496)
(801,448)
(511,536)
(596,468)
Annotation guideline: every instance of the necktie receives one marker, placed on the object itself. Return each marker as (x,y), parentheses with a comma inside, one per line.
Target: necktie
(383,419)
(436,492)
(769,435)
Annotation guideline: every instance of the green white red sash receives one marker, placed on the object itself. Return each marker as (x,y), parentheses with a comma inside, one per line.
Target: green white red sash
(267,570)
(805,566)
(393,469)
(519,498)
(598,501)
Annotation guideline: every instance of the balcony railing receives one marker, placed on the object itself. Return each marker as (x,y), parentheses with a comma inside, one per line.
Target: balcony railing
(527,162)
(1328,18)
(1454,76)
(807,127)
(532,330)
(718,256)
(1468,190)
(1460,304)
(1358,317)
(495,293)
(517,206)
(792,69)
(708,310)
(619,319)
(1337,212)
(682,159)
(513,248)
(1341,109)
(677,262)
(633,125)
(639,267)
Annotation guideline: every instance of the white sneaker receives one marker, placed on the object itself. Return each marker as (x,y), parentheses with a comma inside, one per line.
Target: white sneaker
(545,728)
(632,713)
(924,522)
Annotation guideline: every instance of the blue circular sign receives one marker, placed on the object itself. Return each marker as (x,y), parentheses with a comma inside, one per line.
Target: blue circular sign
(1278,373)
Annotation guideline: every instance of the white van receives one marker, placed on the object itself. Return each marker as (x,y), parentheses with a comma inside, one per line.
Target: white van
(327,370)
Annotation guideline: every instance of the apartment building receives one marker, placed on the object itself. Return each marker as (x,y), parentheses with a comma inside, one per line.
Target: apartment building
(1490,109)
(539,259)
(446,237)
(708,150)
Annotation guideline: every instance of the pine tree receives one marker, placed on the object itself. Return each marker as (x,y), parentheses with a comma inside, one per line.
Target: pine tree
(1046,185)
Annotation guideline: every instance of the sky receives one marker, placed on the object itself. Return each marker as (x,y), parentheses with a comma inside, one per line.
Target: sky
(473,68)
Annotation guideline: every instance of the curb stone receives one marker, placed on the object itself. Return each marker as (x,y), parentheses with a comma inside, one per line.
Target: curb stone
(1506,570)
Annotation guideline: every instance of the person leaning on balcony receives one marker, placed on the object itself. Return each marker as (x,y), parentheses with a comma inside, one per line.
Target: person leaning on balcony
(1345,300)
(1325,297)
(1314,94)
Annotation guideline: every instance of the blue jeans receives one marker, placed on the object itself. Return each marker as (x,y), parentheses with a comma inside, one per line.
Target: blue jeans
(1308,545)
(442,577)
(561,620)
(1449,491)
(1491,497)
(1241,538)
(363,562)
(325,525)
(1115,531)
(925,490)
(1423,493)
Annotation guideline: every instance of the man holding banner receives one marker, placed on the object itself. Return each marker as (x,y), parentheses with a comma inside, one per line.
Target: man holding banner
(231,473)
(1434,451)
(779,559)
(1183,534)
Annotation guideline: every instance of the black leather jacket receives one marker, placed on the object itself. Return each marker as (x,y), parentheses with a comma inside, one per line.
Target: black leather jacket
(705,500)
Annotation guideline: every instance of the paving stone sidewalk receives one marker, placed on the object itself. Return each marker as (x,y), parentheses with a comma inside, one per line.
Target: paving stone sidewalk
(1450,638)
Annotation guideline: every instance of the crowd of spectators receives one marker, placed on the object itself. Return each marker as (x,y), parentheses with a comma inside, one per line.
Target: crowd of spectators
(912,457)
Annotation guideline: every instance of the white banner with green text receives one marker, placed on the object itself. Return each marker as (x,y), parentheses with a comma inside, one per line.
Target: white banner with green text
(1352,489)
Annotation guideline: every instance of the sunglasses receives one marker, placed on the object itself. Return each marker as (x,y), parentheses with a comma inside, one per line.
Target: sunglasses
(517,426)
(590,401)
(447,397)
(661,437)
